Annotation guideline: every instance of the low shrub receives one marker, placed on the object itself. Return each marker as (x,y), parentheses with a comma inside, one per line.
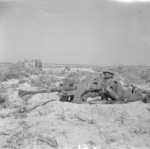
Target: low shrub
(19,70)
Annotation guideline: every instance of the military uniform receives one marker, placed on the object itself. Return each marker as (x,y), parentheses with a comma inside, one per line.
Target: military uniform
(143,93)
(117,93)
(104,84)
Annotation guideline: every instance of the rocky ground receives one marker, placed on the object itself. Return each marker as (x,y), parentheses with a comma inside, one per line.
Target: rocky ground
(61,125)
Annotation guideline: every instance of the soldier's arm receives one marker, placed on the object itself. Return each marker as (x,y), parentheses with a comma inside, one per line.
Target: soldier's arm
(112,94)
(119,90)
(115,91)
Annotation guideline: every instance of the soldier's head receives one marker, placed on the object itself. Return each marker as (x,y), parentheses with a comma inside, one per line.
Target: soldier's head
(108,74)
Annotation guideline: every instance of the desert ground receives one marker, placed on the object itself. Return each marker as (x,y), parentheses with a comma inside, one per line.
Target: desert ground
(64,125)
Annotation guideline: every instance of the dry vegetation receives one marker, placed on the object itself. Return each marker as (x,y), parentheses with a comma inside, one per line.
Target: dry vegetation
(59,125)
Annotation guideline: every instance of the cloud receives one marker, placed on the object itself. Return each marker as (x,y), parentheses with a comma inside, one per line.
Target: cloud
(132,1)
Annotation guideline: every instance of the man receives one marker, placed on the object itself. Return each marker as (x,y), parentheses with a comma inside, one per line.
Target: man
(106,76)
(143,93)
(113,92)
(104,87)
(117,94)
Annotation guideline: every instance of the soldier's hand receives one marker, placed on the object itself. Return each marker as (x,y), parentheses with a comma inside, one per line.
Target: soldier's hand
(108,88)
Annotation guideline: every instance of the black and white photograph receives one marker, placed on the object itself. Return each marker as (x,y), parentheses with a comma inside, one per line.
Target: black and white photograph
(74,74)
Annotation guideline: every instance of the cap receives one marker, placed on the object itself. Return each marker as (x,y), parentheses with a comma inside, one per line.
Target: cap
(108,72)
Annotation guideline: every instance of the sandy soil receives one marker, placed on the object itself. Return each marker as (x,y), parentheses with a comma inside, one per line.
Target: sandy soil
(62,125)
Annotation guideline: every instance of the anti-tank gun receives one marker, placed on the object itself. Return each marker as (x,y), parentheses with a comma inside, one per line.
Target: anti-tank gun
(66,86)
(72,91)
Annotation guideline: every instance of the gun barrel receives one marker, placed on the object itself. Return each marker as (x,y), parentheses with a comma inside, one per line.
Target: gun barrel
(22,93)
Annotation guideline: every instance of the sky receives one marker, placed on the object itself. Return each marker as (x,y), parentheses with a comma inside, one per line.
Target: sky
(97,32)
